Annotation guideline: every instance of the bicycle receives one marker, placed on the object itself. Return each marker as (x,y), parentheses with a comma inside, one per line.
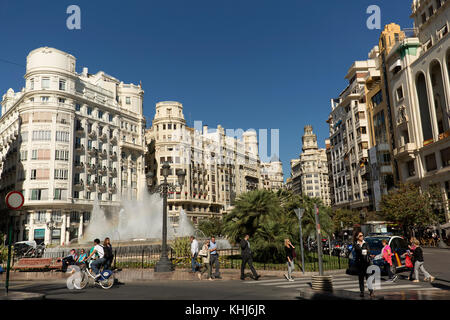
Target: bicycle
(106,279)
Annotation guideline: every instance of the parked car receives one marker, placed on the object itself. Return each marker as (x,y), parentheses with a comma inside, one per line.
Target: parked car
(398,245)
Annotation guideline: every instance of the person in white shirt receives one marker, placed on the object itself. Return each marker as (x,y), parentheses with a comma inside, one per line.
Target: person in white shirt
(194,253)
(101,259)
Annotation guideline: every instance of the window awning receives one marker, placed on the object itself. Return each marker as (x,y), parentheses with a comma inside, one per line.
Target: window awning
(397,63)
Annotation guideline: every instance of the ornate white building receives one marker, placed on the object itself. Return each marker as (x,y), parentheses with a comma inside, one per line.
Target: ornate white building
(218,166)
(309,173)
(66,140)
(272,175)
(419,84)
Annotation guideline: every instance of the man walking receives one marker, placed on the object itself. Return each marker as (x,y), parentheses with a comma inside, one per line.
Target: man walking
(247,257)
(194,253)
(214,257)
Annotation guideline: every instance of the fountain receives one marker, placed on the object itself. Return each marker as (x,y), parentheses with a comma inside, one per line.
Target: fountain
(137,220)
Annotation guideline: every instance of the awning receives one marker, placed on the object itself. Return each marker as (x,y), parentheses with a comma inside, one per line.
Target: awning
(397,63)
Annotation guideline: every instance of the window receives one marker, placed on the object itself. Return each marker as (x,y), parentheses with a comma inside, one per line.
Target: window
(61,174)
(23,155)
(110,118)
(35,194)
(128,100)
(62,85)
(377,98)
(41,135)
(430,162)
(399,94)
(445,156)
(100,114)
(45,99)
(62,136)
(31,84)
(430,11)
(57,195)
(33,174)
(45,84)
(89,111)
(62,155)
(424,18)
(24,136)
(411,169)
(77,107)
(61,100)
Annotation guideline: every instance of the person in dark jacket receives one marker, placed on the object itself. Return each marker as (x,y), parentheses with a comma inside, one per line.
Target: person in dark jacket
(108,253)
(289,250)
(418,263)
(362,262)
(247,257)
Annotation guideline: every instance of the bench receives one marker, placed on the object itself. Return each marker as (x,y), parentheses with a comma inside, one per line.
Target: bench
(38,264)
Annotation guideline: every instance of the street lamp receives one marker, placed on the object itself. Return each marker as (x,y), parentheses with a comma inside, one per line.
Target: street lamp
(164,264)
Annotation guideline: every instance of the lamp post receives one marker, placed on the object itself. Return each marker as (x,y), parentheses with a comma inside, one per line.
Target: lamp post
(164,264)
(319,239)
(300,212)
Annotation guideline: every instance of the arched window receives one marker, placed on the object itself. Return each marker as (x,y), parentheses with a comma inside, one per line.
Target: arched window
(437,84)
(424,109)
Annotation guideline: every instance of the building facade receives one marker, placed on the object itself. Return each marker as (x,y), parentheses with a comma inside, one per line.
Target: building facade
(69,139)
(219,167)
(309,173)
(349,140)
(272,175)
(419,83)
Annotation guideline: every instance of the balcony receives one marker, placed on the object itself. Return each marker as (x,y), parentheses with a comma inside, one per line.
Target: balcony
(113,155)
(112,188)
(104,154)
(92,134)
(90,187)
(92,152)
(79,148)
(79,184)
(103,137)
(79,130)
(103,171)
(406,150)
(102,187)
(113,172)
(113,140)
(90,168)
(79,165)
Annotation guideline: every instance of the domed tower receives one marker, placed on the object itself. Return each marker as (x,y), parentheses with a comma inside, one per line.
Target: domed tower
(45,65)
(251,142)
(309,139)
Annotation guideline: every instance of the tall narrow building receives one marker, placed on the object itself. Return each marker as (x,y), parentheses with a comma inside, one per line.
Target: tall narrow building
(309,173)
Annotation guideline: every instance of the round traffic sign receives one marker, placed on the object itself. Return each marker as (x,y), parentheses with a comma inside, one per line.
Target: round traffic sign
(15,200)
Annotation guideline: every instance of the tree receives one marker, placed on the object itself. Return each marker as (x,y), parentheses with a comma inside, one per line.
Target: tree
(408,206)
(211,227)
(344,219)
(309,217)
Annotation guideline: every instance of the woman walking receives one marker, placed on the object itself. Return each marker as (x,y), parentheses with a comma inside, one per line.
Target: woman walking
(109,256)
(289,248)
(418,263)
(362,262)
(205,254)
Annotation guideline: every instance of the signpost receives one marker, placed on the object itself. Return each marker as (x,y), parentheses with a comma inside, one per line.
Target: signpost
(300,213)
(14,200)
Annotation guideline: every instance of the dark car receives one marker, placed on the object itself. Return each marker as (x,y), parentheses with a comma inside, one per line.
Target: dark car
(398,245)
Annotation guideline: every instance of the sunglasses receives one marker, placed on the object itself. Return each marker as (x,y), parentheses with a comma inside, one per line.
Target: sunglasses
(361,235)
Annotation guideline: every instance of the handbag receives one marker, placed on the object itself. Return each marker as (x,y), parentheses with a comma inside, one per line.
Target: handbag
(408,262)
(203,253)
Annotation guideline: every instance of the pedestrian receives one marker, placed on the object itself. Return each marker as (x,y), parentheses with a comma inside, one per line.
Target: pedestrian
(194,253)
(82,258)
(108,253)
(247,257)
(205,254)
(214,259)
(69,260)
(386,253)
(362,262)
(418,263)
(96,264)
(289,250)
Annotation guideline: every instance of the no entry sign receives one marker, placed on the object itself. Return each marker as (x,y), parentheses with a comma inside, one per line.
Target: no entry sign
(14,200)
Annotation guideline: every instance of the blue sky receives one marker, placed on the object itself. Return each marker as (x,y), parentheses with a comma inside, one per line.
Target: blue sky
(261,64)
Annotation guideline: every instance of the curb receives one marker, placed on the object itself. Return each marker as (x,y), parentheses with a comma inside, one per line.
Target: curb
(22,296)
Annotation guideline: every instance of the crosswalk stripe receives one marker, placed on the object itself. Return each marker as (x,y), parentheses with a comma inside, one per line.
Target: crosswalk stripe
(388,284)
(335,277)
(406,286)
(342,284)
